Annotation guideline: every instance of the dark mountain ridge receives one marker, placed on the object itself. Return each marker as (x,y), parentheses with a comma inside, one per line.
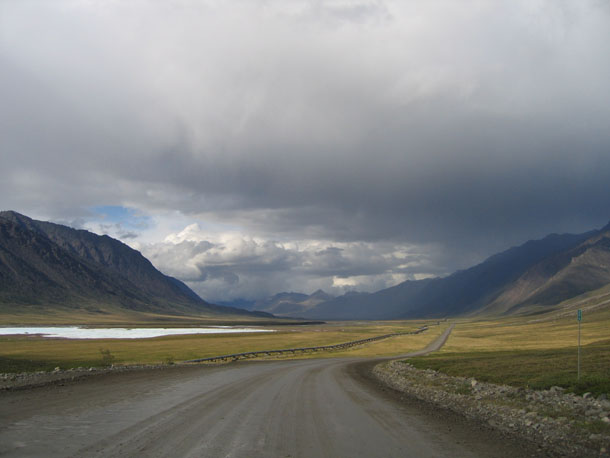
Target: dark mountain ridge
(496,279)
(49,265)
(567,274)
(53,265)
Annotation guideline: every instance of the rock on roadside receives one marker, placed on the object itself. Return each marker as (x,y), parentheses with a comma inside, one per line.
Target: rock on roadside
(563,424)
(24,380)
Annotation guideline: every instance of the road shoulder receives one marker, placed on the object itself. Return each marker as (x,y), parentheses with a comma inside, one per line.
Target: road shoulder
(517,414)
(471,433)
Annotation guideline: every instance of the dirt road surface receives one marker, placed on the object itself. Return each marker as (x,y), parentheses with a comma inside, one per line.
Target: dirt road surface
(300,408)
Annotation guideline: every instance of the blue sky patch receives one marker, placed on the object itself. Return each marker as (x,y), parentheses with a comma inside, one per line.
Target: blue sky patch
(127,218)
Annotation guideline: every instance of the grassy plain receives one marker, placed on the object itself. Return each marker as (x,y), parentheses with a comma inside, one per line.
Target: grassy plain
(537,352)
(19,353)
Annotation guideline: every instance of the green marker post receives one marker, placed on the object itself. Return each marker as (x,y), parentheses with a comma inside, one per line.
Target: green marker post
(579,320)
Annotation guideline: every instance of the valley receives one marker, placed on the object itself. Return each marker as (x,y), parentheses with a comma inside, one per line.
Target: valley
(301,229)
(509,323)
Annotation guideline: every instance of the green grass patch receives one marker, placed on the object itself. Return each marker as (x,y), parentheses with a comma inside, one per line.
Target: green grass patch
(16,365)
(537,369)
(103,357)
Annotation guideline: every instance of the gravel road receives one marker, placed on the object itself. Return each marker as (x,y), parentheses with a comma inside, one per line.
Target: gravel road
(300,408)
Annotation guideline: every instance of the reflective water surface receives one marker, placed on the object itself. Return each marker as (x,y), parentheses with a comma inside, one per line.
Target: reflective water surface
(77,332)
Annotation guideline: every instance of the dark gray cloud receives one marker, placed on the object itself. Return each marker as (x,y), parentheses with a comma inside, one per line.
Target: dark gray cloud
(460,128)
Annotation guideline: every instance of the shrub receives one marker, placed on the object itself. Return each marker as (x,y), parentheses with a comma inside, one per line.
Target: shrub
(107,357)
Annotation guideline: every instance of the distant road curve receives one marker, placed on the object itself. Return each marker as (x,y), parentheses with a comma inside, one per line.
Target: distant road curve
(299,408)
(435,345)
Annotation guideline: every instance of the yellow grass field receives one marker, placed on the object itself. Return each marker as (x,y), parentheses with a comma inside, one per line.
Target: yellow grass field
(536,351)
(33,353)
(528,333)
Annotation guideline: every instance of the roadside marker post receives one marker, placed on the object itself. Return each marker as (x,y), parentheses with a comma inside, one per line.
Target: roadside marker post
(579,320)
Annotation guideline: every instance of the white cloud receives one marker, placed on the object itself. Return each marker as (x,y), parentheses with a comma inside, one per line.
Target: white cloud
(222,266)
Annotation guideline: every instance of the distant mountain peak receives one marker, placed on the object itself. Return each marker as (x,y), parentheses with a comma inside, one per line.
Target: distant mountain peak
(12,215)
(321,294)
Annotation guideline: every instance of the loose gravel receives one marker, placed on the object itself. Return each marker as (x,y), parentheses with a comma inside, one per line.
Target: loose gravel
(563,424)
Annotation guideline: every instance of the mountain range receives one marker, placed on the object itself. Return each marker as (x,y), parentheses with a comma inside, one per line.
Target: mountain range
(47,266)
(535,276)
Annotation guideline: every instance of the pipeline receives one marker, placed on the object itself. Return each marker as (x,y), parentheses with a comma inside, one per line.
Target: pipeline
(341,346)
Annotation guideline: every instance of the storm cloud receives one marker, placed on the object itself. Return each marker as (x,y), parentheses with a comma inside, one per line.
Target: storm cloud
(322,138)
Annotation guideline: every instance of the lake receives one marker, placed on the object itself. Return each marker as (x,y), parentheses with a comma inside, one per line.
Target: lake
(77,332)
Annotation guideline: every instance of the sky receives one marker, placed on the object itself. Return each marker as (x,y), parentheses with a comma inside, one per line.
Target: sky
(253,147)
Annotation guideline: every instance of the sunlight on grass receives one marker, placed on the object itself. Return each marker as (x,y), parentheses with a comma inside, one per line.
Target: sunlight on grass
(528,352)
(33,353)
(523,334)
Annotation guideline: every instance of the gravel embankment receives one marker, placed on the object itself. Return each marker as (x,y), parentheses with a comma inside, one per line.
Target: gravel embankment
(24,380)
(562,423)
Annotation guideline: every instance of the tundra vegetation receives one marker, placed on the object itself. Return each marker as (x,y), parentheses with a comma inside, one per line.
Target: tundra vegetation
(33,353)
(537,351)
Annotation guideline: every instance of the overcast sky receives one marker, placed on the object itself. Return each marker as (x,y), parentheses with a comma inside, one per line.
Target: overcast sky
(257,146)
